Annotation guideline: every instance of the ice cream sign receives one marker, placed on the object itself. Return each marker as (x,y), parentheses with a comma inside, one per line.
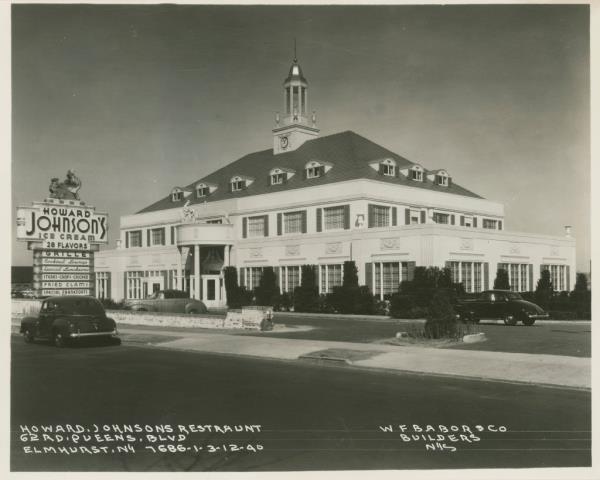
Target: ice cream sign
(62,226)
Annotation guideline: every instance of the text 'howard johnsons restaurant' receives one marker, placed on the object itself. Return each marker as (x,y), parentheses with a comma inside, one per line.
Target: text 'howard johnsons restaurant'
(322,201)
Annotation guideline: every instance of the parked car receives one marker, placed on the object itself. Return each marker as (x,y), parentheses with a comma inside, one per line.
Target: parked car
(174,301)
(67,318)
(500,304)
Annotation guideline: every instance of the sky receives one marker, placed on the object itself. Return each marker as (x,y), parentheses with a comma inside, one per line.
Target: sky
(138,99)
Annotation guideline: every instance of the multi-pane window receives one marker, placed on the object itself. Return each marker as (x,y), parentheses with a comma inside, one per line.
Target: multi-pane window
(388,170)
(277,178)
(558,276)
(334,218)
(554,276)
(388,275)
(415,217)
(477,285)
(313,172)
(202,191)
(158,236)
(103,284)
(237,185)
(289,278)
(468,221)
(489,223)
(381,216)
(134,285)
(256,226)
(518,275)
(441,217)
(416,175)
(466,270)
(292,222)
(135,239)
(442,180)
(331,276)
(251,277)
(470,274)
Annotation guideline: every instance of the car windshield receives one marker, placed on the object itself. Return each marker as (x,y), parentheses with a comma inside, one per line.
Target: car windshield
(81,306)
(513,296)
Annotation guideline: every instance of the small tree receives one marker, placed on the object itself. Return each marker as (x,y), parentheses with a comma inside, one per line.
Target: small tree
(306,296)
(501,280)
(581,296)
(232,288)
(544,290)
(441,321)
(268,290)
(350,274)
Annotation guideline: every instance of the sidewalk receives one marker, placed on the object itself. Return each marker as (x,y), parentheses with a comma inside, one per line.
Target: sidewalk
(554,370)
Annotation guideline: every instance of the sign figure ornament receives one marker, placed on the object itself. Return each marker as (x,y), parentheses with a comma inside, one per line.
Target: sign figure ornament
(67,189)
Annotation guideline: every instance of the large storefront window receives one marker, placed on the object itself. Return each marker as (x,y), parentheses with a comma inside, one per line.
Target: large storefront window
(330,277)
(473,275)
(519,276)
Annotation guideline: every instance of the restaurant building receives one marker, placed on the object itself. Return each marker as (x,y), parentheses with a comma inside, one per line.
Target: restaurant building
(322,200)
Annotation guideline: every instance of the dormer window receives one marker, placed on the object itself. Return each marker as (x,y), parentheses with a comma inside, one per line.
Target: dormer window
(176,194)
(202,190)
(441,178)
(316,169)
(416,173)
(237,185)
(388,170)
(277,178)
(239,182)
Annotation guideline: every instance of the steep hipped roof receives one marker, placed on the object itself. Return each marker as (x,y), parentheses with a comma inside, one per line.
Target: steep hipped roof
(348,152)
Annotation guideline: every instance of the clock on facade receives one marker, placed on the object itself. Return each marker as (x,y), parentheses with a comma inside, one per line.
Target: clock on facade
(283,141)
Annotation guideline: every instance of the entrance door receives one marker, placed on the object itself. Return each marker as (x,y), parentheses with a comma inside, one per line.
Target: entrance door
(212,295)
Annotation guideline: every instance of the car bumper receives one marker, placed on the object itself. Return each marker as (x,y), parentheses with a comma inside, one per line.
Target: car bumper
(93,334)
(538,316)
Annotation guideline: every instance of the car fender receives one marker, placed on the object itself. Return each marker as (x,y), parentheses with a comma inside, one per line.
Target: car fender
(29,322)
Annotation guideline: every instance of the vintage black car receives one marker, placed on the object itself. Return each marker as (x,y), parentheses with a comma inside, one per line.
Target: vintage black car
(174,301)
(68,318)
(500,304)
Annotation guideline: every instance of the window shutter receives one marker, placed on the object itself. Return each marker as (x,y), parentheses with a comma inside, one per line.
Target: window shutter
(126,239)
(172,235)
(462,220)
(266,229)
(304,221)
(381,169)
(244,227)
(411,270)
(279,224)
(148,237)
(452,217)
(500,225)
(568,279)
(319,219)
(164,237)
(394,216)
(407,216)
(531,277)
(371,220)
(242,277)
(369,276)
(346,217)
(423,219)
(277,272)
(486,276)
(474,222)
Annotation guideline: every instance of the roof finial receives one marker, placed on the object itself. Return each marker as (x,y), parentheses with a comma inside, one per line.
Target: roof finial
(295,57)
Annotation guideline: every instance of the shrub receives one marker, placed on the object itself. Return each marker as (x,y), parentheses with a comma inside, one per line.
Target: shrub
(306,299)
(283,302)
(581,297)
(268,289)
(356,300)
(427,280)
(381,307)
(350,278)
(236,296)
(400,305)
(544,290)
(441,321)
(110,304)
(501,280)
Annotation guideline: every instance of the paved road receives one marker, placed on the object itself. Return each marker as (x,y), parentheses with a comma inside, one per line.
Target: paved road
(554,339)
(312,417)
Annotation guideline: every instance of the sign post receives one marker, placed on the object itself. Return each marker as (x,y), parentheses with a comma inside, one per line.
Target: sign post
(63,233)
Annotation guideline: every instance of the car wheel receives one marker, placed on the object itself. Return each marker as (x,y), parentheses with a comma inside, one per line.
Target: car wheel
(510,320)
(28,336)
(528,321)
(59,340)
